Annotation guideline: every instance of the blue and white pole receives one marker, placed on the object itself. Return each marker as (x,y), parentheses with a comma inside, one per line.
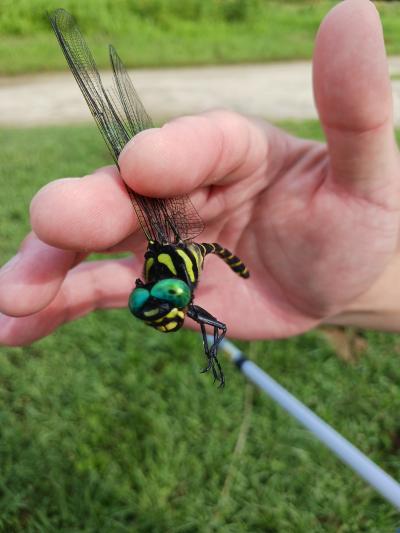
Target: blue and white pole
(349,454)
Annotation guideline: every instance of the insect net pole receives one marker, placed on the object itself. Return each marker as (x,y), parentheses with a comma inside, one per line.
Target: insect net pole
(349,454)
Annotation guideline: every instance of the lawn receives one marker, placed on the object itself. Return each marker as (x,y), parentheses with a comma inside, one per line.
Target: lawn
(171,32)
(108,426)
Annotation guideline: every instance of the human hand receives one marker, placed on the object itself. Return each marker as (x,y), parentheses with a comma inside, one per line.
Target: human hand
(316,225)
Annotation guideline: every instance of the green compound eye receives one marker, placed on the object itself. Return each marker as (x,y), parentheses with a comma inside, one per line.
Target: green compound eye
(174,291)
(137,299)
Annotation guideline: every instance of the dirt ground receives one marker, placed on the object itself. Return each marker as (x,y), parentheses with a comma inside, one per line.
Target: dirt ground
(274,91)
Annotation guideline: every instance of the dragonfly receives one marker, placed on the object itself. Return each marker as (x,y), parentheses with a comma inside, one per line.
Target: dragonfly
(173,261)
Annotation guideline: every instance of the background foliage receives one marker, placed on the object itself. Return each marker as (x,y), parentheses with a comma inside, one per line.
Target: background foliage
(172,32)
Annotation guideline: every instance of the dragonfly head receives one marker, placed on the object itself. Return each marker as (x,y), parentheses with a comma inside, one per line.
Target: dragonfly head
(161,305)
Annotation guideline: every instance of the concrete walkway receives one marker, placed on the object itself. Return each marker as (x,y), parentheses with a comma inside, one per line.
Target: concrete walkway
(275,91)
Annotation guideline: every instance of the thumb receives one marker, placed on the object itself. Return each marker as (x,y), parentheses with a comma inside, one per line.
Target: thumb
(354,100)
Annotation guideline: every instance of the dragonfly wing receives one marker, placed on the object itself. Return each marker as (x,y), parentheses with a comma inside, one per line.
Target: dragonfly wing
(84,69)
(168,218)
(120,115)
(133,109)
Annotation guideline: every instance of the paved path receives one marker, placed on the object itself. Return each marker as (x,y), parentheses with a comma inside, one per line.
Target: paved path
(275,91)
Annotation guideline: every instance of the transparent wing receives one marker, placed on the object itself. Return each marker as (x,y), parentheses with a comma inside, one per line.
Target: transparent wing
(130,107)
(163,219)
(120,115)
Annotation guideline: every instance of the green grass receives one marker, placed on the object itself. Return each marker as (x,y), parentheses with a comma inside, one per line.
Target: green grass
(108,426)
(170,32)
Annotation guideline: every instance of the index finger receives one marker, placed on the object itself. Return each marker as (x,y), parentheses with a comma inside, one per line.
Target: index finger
(185,156)
(215,148)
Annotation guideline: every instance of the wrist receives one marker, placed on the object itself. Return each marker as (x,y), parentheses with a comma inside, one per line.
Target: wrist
(378,307)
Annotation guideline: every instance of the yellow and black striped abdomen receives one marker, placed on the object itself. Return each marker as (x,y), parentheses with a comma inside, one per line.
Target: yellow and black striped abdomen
(230,259)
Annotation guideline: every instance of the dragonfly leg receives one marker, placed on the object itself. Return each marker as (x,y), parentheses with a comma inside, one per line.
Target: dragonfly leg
(207,353)
(204,318)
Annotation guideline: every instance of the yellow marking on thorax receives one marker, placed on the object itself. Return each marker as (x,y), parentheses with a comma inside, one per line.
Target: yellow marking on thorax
(199,257)
(149,263)
(166,260)
(188,264)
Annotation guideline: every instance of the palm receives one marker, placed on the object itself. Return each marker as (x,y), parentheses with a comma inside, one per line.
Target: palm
(306,262)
